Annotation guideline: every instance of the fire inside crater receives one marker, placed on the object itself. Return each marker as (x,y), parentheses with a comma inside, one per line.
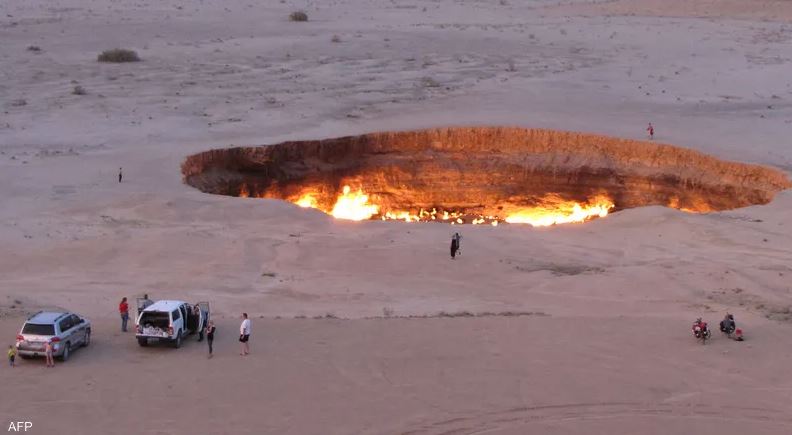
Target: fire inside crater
(482,175)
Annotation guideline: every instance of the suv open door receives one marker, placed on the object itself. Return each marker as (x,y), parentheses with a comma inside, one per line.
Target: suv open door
(204,307)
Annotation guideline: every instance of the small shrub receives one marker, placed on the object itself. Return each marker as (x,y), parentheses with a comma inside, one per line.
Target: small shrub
(429,82)
(118,55)
(387,311)
(35,48)
(298,16)
(335,38)
(78,90)
(19,103)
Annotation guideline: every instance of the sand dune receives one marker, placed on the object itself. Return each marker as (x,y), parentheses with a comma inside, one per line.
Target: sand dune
(370,327)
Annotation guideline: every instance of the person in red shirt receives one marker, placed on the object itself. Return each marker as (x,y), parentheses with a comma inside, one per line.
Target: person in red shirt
(123,309)
(650,130)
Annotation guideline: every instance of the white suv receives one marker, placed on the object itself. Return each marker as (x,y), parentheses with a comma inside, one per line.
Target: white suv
(171,321)
(66,332)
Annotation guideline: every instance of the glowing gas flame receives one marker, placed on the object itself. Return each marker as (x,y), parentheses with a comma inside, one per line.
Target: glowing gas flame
(557,211)
(244,192)
(353,206)
(696,207)
(307,201)
(405,216)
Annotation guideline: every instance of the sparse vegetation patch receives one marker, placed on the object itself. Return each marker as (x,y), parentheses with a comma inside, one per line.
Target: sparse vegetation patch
(118,55)
(298,16)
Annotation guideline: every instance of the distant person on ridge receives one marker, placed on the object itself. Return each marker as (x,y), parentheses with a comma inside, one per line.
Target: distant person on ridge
(120,174)
(650,130)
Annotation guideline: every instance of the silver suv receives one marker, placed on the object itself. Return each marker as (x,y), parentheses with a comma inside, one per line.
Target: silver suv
(66,332)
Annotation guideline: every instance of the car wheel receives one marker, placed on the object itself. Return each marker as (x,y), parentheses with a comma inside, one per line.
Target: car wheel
(177,341)
(87,339)
(143,342)
(66,351)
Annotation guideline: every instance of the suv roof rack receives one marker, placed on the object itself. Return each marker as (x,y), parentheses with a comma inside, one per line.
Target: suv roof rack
(35,314)
(43,311)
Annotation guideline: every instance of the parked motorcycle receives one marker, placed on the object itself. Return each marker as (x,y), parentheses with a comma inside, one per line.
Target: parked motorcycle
(701,331)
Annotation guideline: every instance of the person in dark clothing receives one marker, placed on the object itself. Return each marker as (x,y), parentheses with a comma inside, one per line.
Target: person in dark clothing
(198,319)
(120,174)
(455,244)
(210,331)
(728,325)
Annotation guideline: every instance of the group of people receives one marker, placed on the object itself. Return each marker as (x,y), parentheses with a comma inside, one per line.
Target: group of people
(48,349)
(728,326)
(244,335)
(208,329)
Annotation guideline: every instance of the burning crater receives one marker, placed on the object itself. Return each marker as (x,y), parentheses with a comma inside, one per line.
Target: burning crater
(482,175)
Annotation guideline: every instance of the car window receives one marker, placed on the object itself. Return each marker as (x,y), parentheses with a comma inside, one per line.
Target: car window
(75,319)
(37,329)
(176,315)
(65,325)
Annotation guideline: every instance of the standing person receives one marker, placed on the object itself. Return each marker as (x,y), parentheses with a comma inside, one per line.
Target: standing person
(48,354)
(244,334)
(200,321)
(650,130)
(455,244)
(11,355)
(123,310)
(120,174)
(210,331)
(143,304)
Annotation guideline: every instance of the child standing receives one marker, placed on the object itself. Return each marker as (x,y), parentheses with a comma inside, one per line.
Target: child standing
(11,355)
(48,354)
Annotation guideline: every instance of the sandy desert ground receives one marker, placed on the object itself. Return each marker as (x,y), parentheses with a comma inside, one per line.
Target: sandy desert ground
(572,329)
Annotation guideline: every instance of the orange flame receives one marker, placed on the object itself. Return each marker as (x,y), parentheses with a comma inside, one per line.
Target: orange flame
(400,216)
(307,201)
(353,206)
(557,211)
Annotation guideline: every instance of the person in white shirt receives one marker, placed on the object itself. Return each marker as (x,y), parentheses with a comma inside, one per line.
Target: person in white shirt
(244,334)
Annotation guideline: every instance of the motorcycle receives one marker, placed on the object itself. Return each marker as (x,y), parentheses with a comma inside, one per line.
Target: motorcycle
(701,332)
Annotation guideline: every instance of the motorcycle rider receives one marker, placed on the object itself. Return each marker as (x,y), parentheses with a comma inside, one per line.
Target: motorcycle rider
(727,325)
